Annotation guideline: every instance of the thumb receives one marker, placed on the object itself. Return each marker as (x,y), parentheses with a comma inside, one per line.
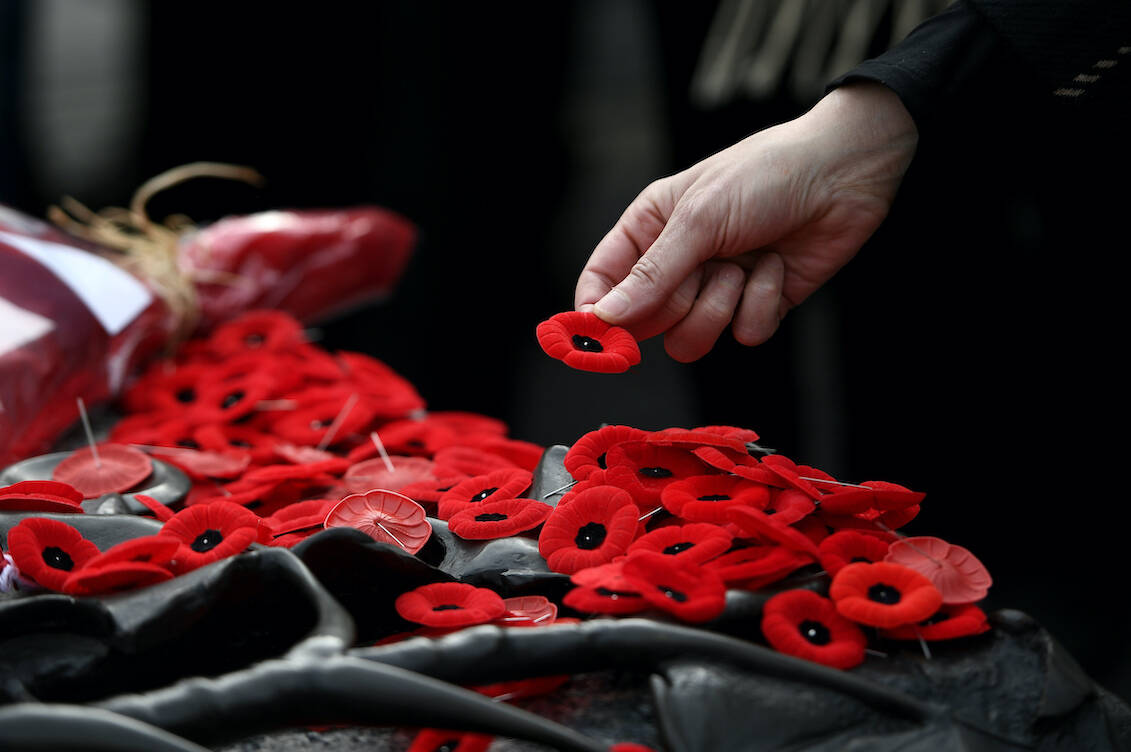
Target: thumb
(688,239)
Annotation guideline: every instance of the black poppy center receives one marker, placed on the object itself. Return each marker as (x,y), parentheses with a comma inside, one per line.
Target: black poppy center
(855,559)
(186,395)
(448,745)
(590,535)
(188,444)
(490,517)
(317,424)
(601,462)
(656,472)
(240,443)
(677,548)
(588,344)
(55,557)
(447,607)
(815,632)
(206,541)
(615,594)
(676,595)
(714,497)
(483,494)
(255,339)
(231,399)
(885,594)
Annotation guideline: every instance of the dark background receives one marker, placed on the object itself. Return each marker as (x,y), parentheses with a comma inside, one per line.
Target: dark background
(970,351)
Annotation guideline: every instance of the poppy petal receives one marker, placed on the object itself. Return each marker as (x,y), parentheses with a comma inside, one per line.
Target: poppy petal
(385,516)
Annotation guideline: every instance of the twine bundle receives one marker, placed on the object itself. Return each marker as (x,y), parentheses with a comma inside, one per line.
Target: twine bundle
(150,250)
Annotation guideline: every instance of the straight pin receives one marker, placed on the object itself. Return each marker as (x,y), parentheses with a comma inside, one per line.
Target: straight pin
(381,449)
(89,432)
(337,422)
(835,482)
(567,486)
(387,532)
(649,514)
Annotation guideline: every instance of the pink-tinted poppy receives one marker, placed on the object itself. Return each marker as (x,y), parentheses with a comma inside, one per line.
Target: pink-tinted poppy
(956,572)
(385,516)
(114,469)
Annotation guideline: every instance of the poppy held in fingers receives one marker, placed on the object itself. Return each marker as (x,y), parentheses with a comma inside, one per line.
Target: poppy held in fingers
(806,625)
(884,595)
(585,342)
(450,604)
(47,551)
(687,591)
(499,519)
(597,525)
(210,532)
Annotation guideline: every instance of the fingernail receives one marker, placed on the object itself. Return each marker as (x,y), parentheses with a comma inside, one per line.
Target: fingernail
(612,306)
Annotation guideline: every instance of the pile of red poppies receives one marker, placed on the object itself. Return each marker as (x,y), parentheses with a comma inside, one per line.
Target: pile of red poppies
(283,439)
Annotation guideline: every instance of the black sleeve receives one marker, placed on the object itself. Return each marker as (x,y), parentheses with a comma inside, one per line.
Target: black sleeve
(1074,51)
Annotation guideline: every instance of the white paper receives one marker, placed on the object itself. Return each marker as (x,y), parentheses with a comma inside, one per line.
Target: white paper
(19,326)
(112,295)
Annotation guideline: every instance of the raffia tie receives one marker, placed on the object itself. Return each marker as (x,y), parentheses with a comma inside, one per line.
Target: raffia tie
(150,250)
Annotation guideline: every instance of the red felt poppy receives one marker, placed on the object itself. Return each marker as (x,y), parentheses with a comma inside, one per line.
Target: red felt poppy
(654,468)
(754,522)
(464,460)
(891,496)
(165,389)
(528,611)
(806,625)
(597,525)
(884,595)
(755,566)
(521,689)
(847,500)
(849,547)
(704,498)
(745,435)
(956,572)
(585,342)
(116,468)
(47,551)
(229,401)
(430,491)
(450,604)
(788,506)
(437,740)
(311,424)
(262,330)
(948,623)
(280,473)
(210,532)
(498,519)
(696,542)
(496,485)
(260,445)
(621,477)
(588,452)
(157,550)
(790,474)
(685,590)
(114,577)
(524,454)
(604,590)
(203,464)
(385,516)
(308,516)
(375,473)
(40,496)
(694,439)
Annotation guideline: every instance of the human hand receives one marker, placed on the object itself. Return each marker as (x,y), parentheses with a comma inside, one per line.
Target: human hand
(750,232)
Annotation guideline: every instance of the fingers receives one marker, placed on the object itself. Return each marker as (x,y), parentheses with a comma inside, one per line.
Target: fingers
(636,230)
(711,313)
(762,306)
(687,240)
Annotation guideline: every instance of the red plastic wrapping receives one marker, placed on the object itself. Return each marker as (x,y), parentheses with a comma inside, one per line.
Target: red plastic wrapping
(74,325)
